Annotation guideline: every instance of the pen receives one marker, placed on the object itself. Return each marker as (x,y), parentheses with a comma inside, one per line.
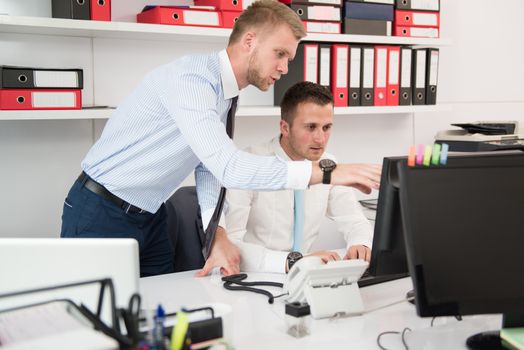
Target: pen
(158,332)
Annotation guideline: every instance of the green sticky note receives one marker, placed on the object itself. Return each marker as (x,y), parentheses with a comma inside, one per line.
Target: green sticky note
(427,155)
(435,157)
(513,336)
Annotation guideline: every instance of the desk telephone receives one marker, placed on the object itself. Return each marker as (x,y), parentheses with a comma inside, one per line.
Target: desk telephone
(329,289)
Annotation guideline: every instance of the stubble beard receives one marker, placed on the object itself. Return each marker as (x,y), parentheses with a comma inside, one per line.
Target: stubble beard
(253,74)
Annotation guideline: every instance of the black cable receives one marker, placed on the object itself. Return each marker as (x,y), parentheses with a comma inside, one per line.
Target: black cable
(403,334)
(280,295)
(384,333)
(403,337)
(247,286)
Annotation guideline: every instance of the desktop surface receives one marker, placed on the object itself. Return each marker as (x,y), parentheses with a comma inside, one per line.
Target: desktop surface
(255,324)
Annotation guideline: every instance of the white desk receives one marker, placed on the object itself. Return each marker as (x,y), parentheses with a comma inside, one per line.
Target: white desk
(259,325)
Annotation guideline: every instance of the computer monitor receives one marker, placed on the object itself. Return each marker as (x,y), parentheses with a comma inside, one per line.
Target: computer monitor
(34,263)
(463,224)
(388,254)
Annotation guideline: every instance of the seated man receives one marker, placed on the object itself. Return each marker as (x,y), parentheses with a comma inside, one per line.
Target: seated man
(270,233)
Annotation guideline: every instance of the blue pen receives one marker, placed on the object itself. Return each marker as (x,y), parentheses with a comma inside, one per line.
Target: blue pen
(158,332)
(444,153)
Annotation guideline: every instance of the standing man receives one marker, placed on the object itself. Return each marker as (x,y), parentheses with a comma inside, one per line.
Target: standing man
(173,123)
(265,225)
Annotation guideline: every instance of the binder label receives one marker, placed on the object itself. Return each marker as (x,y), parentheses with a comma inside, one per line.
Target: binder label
(201,18)
(369,57)
(430,5)
(322,27)
(55,79)
(53,99)
(310,69)
(393,67)
(433,69)
(405,79)
(327,13)
(342,67)
(425,19)
(325,69)
(421,70)
(382,59)
(330,2)
(354,68)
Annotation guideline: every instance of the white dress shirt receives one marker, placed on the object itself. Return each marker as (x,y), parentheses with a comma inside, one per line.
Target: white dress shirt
(261,223)
(173,123)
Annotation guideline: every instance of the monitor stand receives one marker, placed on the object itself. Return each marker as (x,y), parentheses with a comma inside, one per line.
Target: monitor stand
(489,340)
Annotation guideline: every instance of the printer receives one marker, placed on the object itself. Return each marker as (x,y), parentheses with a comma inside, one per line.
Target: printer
(482,136)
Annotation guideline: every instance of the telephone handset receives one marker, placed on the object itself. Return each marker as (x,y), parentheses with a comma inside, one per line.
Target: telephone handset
(329,288)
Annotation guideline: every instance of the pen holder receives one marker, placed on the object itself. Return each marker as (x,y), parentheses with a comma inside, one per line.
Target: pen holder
(298,319)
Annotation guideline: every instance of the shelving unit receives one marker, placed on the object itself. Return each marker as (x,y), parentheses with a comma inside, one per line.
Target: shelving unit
(141,31)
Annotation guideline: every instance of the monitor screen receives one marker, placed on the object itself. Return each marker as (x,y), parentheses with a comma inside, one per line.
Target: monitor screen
(388,256)
(463,224)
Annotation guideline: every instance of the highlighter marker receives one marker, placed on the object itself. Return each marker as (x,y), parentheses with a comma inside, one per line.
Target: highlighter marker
(427,155)
(412,153)
(435,157)
(420,154)
(444,154)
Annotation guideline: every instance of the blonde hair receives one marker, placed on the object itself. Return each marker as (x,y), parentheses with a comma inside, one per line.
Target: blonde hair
(267,14)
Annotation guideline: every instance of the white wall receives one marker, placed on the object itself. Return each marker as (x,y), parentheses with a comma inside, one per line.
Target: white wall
(481,76)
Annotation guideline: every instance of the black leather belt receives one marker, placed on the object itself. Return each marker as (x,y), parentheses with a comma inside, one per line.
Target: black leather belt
(100,190)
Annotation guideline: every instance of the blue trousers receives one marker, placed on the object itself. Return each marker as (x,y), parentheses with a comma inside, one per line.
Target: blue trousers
(88,215)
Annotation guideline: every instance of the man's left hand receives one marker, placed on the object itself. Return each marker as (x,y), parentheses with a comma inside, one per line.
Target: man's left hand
(224,254)
(358,252)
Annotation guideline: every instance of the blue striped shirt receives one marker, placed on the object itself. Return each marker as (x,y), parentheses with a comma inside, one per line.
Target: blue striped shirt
(173,123)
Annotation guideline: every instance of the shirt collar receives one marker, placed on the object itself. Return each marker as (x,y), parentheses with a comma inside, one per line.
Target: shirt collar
(229,82)
(277,149)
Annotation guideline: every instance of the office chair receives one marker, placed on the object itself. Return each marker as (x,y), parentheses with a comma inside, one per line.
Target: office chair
(184,224)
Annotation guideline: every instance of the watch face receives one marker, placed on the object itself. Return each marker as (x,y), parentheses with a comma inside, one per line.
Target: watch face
(294,256)
(327,164)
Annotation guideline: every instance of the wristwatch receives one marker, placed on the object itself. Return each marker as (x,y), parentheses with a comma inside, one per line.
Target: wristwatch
(292,258)
(327,166)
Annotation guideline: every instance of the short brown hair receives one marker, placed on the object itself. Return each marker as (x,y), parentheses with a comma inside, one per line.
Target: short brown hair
(268,14)
(301,92)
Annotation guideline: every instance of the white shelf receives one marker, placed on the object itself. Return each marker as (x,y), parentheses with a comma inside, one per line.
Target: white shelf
(261,111)
(102,113)
(142,31)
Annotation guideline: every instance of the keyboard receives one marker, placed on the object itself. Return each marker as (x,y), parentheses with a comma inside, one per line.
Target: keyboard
(368,279)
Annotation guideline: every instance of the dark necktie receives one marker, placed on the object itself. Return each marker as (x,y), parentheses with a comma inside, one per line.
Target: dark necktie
(213,223)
